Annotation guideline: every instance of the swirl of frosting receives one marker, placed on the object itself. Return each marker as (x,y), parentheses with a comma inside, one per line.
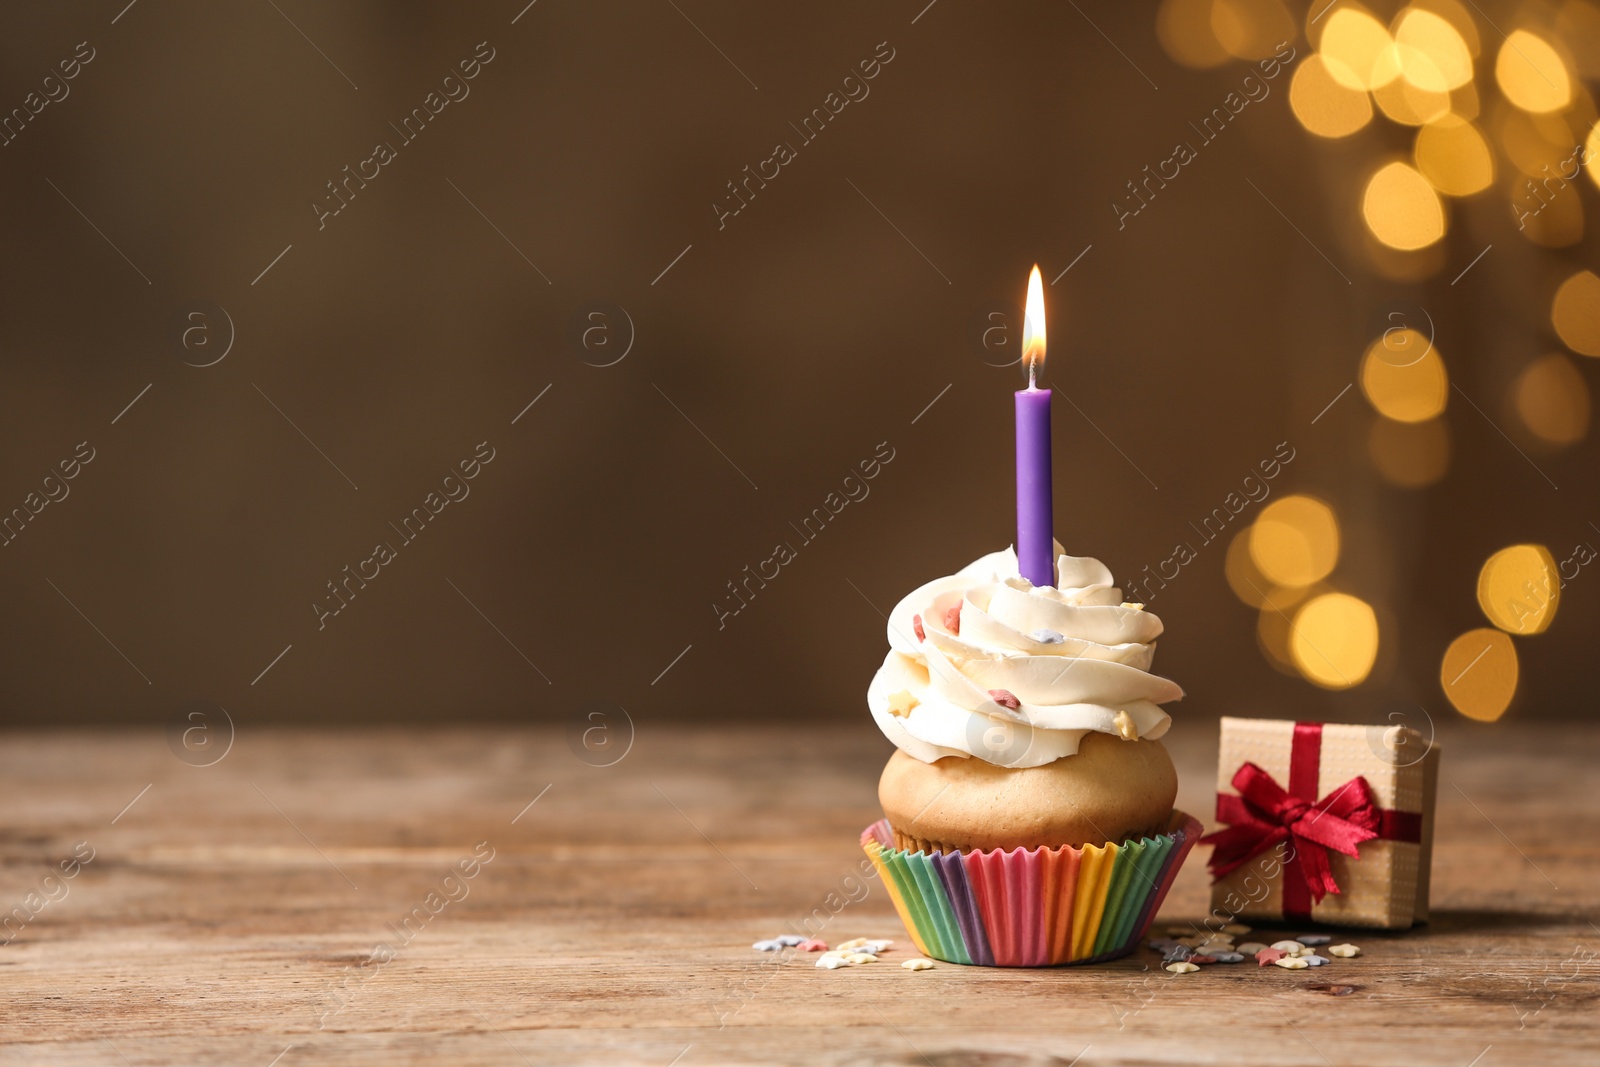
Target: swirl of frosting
(983,663)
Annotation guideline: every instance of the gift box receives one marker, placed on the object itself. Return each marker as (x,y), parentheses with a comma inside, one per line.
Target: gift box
(1324,823)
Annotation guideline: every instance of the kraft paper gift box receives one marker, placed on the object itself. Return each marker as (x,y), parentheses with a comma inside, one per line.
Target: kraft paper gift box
(1324,823)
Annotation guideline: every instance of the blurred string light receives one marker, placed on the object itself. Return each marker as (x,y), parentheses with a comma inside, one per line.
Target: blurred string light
(1419,70)
(1295,541)
(1401,208)
(1250,29)
(1519,589)
(1274,603)
(1578,25)
(1535,144)
(1575,313)
(1532,74)
(1276,565)
(1464,103)
(1202,34)
(1354,45)
(1558,225)
(1184,29)
(1552,400)
(1408,103)
(1410,455)
(1592,146)
(1430,51)
(1404,378)
(1334,640)
(1415,76)
(1323,104)
(1247,581)
(1454,156)
(1479,674)
(1273,627)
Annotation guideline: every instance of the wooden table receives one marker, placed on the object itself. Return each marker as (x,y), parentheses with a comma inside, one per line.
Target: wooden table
(232,913)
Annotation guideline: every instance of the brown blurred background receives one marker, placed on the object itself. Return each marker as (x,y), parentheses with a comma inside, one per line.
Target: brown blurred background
(161,216)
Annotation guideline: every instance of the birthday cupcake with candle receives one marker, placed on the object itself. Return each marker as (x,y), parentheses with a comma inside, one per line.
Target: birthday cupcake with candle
(1029,803)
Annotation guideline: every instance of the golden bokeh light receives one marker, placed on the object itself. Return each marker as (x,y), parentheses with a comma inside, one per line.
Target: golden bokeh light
(1392,264)
(1272,635)
(1184,29)
(1334,640)
(1580,115)
(1592,147)
(1244,577)
(1460,19)
(1401,208)
(1324,105)
(1575,313)
(1532,73)
(1552,400)
(1554,127)
(1403,100)
(1464,102)
(1559,224)
(1454,156)
(1538,145)
(1411,455)
(1404,378)
(1249,584)
(1251,29)
(1353,44)
(1433,55)
(1295,541)
(1579,26)
(1479,674)
(1519,590)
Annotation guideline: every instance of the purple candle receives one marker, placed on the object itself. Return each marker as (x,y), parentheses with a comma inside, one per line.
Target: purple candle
(1035,540)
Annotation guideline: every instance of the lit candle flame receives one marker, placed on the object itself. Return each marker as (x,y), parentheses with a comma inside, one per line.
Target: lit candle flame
(1033,326)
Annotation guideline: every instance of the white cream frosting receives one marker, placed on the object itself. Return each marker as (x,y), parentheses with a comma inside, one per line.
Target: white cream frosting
(1072,658)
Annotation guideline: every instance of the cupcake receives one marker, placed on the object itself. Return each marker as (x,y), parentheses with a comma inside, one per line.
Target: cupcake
(1027,729)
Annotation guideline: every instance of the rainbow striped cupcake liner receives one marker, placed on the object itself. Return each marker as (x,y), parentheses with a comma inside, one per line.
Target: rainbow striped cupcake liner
(1031,907)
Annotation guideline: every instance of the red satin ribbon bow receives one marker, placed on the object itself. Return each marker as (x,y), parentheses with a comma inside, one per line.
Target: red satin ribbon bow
(1264,814)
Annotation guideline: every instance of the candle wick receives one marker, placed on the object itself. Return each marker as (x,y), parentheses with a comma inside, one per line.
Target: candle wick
(1033,372)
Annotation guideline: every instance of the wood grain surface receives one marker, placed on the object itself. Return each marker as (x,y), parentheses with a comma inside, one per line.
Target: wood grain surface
(275,908)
